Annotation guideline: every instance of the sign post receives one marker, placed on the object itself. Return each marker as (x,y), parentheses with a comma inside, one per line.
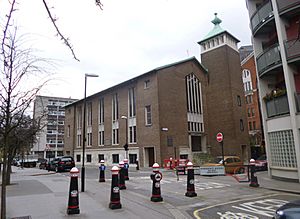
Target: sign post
(220,138)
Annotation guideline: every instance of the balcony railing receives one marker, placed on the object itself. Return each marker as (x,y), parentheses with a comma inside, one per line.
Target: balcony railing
(277,106)
(268,59)
(287,4)
(262,14)
(297,100)
(292,48)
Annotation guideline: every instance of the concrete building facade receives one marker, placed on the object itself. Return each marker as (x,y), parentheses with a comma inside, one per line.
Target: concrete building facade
(51,112)
(275,31)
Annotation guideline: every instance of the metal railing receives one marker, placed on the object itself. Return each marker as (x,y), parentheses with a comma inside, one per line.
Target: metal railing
(292,48)
(277,106)
(262,14)
(297,101)
(268,58)
(287,4)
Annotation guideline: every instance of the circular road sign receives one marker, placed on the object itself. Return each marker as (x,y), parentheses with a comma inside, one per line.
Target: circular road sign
(219,137)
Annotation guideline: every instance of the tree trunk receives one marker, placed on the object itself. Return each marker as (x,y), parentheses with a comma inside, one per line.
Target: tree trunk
(8,170)
(3,188)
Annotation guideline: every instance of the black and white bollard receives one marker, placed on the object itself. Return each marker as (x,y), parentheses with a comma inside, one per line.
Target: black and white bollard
(253,178)
(126,168)
(102,168)
(190,190)
(73,203)
(115,192)
(121,176)
(137,164)
(156,177)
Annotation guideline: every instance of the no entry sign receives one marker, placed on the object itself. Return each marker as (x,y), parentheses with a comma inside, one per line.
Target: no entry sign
(219,137)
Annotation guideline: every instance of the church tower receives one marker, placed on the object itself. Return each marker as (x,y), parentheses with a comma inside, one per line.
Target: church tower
(225,97)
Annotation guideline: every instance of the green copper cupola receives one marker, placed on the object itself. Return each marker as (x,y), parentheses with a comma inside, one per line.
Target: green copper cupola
(217,37)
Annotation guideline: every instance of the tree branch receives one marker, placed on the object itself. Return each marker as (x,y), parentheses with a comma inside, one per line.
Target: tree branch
(65,40)
(99,4)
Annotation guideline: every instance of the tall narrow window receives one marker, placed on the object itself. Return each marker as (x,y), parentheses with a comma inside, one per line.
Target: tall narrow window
(148,116)
(101,138)
(193,91)
(89,139)
(79,118)
(115,108)
(132,134)
(89,114)
(79,140)
(68,131)
(241,125)
(115,136)
(239,102)
(132,102)
(101,110)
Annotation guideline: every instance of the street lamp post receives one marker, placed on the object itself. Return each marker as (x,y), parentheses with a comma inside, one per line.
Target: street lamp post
(126,141)
(83,132)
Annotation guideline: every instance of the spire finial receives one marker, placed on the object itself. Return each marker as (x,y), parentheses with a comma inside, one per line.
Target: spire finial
(216,20)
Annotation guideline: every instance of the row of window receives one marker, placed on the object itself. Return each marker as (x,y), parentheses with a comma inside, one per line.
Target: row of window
(194,105)
(252,125)
(213,42)
(51,122)
(115,118)
(115,158)
(249,99)
(251,112)
(195,127)
(54,141)
(247,86)
(58,103)
(55,113)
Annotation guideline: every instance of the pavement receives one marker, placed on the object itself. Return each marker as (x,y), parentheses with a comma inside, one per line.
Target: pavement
(38,194)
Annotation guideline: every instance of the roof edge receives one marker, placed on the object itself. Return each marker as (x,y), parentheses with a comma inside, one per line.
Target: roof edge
(193,58)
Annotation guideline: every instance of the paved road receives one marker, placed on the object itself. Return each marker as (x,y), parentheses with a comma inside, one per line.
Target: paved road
(45,195)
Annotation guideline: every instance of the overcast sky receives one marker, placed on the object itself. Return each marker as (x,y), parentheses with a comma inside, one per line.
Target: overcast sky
(126,39)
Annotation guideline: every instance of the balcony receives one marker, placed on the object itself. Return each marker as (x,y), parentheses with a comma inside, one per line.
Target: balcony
(277,106)
(268,60)
(287,5)
(292,48)
(262,16)
(297,100)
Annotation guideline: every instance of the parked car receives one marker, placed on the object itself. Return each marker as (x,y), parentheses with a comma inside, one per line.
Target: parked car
(233,164)
(43,164)
(61,164)
(261,163)
(289,210)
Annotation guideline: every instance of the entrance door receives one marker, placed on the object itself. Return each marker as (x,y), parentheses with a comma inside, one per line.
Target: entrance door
(149,156)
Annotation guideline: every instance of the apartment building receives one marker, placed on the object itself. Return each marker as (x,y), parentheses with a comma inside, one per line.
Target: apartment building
(172,111)
(275,31)
(51,111)
(257,143)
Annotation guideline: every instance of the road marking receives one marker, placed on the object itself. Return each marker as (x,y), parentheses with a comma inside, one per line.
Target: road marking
(226,203)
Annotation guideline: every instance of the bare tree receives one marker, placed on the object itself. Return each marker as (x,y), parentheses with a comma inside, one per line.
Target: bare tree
(65,40)
(17,66)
